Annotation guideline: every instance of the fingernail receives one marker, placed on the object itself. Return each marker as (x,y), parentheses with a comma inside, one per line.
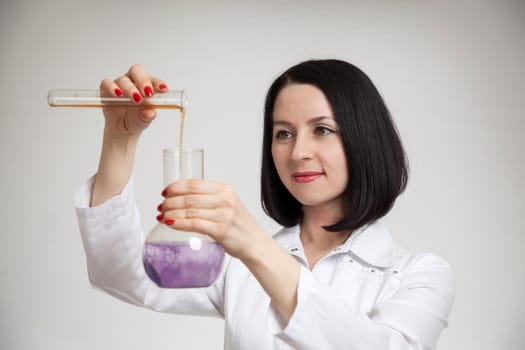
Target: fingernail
(164,193)
(148,91)
(160,217)
(159,208)
(137,97)
(163,86)
(169,221)
(118,92)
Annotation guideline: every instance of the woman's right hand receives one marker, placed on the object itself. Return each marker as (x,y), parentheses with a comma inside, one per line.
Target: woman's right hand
(122,129)
(135,84)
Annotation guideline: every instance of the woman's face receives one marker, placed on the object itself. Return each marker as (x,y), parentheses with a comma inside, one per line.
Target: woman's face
(307,148)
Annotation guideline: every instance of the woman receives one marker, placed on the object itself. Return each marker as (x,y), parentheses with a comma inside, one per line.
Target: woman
(332,278)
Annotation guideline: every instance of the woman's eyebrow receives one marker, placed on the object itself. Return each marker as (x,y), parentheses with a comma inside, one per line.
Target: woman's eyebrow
(281,122)
(318,119)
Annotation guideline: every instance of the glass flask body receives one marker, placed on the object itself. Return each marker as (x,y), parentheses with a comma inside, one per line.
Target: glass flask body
(179,259)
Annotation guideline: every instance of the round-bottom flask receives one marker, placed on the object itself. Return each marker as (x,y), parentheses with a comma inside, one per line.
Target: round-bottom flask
(178,259)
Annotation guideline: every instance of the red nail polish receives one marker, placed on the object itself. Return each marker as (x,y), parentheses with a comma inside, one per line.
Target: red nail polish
(118,92)
(159,208)
(164,193)
(148,91)
(160,217)
(137,97)
(163,86)
(169,221)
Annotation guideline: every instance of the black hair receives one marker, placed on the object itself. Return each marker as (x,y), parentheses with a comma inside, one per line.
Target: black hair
(377,164)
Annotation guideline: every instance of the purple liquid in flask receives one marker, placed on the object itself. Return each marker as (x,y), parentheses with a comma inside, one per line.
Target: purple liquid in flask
(177,259)
(183,264)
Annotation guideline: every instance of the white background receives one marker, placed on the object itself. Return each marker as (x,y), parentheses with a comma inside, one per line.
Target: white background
(451,72)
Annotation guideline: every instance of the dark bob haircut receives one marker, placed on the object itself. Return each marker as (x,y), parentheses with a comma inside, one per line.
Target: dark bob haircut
(377,165)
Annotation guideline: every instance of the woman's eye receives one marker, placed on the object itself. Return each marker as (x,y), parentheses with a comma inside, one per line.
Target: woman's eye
(283,135)
(323,130)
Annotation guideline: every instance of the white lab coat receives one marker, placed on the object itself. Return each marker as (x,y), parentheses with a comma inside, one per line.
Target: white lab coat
(368,294)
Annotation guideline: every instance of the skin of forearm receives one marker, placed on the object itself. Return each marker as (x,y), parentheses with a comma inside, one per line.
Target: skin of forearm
(277,272)
(115,167)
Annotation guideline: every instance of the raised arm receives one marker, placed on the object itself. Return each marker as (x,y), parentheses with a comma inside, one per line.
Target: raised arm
(109,219)
(123,127)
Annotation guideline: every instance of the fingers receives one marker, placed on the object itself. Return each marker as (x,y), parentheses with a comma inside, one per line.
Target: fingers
(201,194)
(195,186)
(213,222)
(145,84)
(129,89)
(194,201)
(135,84)
(192,215)
(207,218)
(159,85)
(207,227)
(147,115)
(203,206)
(110,88)
(141,79)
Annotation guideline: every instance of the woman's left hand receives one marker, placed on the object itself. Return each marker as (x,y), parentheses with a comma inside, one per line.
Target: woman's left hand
(213,209)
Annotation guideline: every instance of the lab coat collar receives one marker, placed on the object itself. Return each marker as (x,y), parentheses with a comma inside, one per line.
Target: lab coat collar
(372,243)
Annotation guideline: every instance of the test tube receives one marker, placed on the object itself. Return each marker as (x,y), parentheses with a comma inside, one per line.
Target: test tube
(173,99)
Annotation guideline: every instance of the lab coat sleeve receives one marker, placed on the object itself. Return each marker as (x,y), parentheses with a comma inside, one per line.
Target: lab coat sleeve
(412,318)
(112,238)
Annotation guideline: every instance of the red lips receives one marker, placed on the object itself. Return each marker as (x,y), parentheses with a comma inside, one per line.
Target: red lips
(307,176)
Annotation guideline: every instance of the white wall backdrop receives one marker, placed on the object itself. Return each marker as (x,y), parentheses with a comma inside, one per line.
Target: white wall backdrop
(452,73)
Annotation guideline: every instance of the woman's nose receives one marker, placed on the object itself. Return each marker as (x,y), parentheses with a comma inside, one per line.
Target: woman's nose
(303,148)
